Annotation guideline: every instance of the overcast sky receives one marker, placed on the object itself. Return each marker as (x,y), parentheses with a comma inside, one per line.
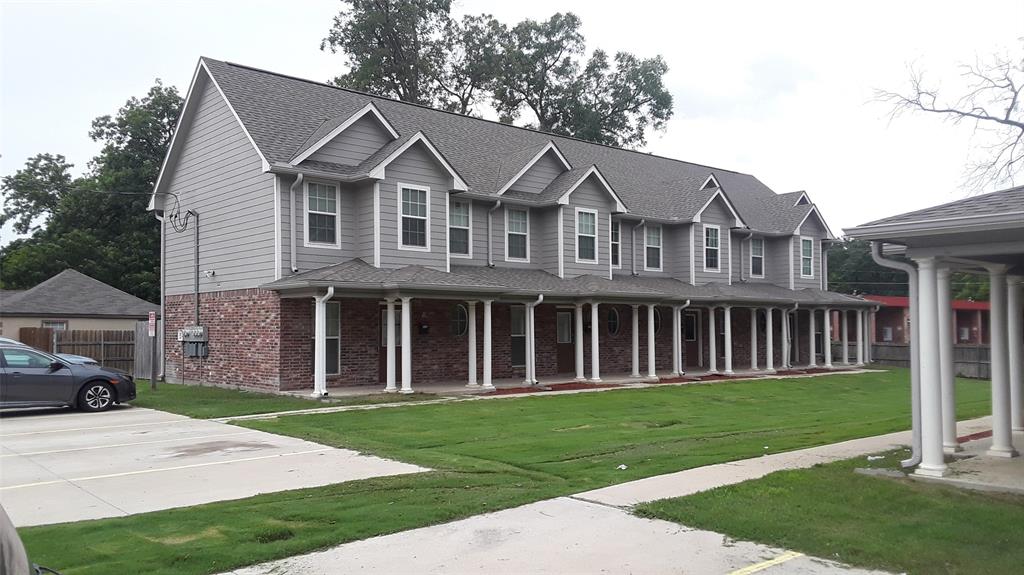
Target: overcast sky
(782,90)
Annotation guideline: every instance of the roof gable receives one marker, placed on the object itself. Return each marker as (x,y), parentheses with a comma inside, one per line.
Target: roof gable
(379,169)
(710,183)
(817,216)
(719,194)
(595,173)
(368,122)
(539,168)
(74,294)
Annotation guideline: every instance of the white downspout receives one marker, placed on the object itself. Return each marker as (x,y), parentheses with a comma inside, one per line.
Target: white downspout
(490,233)
(320,344)
(632,246)
(915,358)
(291,221)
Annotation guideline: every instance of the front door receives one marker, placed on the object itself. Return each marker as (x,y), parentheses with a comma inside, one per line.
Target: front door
(692,339)
(565,340)
(382,363)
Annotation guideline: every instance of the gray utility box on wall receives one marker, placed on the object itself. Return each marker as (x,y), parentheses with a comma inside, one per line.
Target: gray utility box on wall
(193,338)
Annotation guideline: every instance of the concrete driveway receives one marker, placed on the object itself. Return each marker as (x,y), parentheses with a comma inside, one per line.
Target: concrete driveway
(61,465)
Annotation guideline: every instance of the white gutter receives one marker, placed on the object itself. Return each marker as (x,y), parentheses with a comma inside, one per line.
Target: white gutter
(915,347)
(291,222)
(490,233)
(632,246)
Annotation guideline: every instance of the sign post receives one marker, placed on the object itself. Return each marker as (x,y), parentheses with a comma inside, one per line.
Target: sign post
(155,342)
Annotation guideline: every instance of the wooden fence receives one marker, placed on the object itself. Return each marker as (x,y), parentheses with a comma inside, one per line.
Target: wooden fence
(144,349)
(968,360)
(111,348)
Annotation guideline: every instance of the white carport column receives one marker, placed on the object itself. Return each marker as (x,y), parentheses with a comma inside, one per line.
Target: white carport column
(812,346)
(471,344)
(389,330)
(727,325)
(844,325)
(945,318)
(487,345)
(753,338)
(595,344)
(826,336)
(676,351)
(769,339)
(636,340)
(581,374)
(1015,305)
(320,343)
(860,336)
(712,342)
(406,345)
(1002,438)
(932,457)
(651,372)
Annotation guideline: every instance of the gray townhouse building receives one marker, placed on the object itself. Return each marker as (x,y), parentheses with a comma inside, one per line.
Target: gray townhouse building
(316,236)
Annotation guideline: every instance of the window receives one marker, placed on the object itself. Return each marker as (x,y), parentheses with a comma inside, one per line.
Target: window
(415,221)
(517,245)
(616,245)
(887,334)
(459,229)
(518,330)
(563,327)
(56,324)
(711,248)
(586,235)
(652,248)
(757,257)
(321,215)
(613,321)
(26,358)
(460,320)
(690,327)
(806,257)
(333,337)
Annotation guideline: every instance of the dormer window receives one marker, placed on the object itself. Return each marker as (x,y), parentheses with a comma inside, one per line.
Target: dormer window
(757,257)
(712,261)
(586,235)
(616,245)
(321,215)
(459,229)
(517,236)
(652,248)
(415,223)
(806,257)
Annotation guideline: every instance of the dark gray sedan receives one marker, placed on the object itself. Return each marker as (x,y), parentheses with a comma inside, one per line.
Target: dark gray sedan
(31,378)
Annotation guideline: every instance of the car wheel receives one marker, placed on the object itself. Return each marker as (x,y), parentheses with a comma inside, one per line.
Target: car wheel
(95,396)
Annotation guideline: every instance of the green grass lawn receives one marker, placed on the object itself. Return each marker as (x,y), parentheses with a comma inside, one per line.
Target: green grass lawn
(893,524)
(489,455)
(206,402)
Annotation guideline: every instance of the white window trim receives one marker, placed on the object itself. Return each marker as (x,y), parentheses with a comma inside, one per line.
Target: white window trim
(64,322)
(660,246)
(597,228)
(704,247)
(507,257)
(399,187)
(612,246)
(337,215)
(763,260)
(802,240)
(469,203)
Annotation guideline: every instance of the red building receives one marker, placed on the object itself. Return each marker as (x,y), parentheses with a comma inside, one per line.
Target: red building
(892,321)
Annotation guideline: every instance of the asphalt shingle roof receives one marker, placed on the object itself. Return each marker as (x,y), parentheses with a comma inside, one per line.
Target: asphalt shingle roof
(285,115)
(74,294)
(995,203)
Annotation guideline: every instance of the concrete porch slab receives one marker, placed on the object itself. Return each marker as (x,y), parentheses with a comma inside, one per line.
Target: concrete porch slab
(974,469)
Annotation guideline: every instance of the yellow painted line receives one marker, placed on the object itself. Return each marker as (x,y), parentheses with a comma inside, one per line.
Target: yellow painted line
(143,471)
(787,556)
(117,445)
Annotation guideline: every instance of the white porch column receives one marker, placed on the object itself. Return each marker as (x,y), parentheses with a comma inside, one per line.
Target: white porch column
(812,346)
(636,340)
(651,372)
(784,318)
(578,341)
(932,457)
(471,341)
(753,338)
(389,319)
(869,336)
(946,375)
(844,324)
(531,357)
(406,345)
(595,344)
(712,342)
(487,345)
(320,344)
(860,336)
(676,351)
(1015,305)
(769,339)
(1002,438)
(826,336)
(727,324)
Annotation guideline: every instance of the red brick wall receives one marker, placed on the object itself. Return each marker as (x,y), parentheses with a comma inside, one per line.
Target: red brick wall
(741,339)
(242,327)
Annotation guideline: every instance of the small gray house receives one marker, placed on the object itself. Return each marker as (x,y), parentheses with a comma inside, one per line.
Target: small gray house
(314,235)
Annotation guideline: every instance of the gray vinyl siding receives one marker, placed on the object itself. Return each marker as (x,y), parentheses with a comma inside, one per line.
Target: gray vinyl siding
(363,244)
(811,228)
(539,175)
(717,213)
(478,233)
(544,238)
(776,264)
(219,175)
(355,226)
(741,260)
(676,251)
(626,231)
(364,137)
(589,195)
(416,167)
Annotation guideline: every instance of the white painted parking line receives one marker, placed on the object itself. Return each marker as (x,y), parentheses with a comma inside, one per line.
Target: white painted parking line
(144,471)
(45,431)
(756,567)
(118,445)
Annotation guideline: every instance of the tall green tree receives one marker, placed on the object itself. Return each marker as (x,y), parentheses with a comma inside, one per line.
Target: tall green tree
(97,223)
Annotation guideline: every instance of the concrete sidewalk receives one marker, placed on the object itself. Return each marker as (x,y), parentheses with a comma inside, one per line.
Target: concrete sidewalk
(594,531)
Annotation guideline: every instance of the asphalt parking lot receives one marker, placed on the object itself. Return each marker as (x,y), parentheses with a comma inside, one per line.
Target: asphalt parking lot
(62,465)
